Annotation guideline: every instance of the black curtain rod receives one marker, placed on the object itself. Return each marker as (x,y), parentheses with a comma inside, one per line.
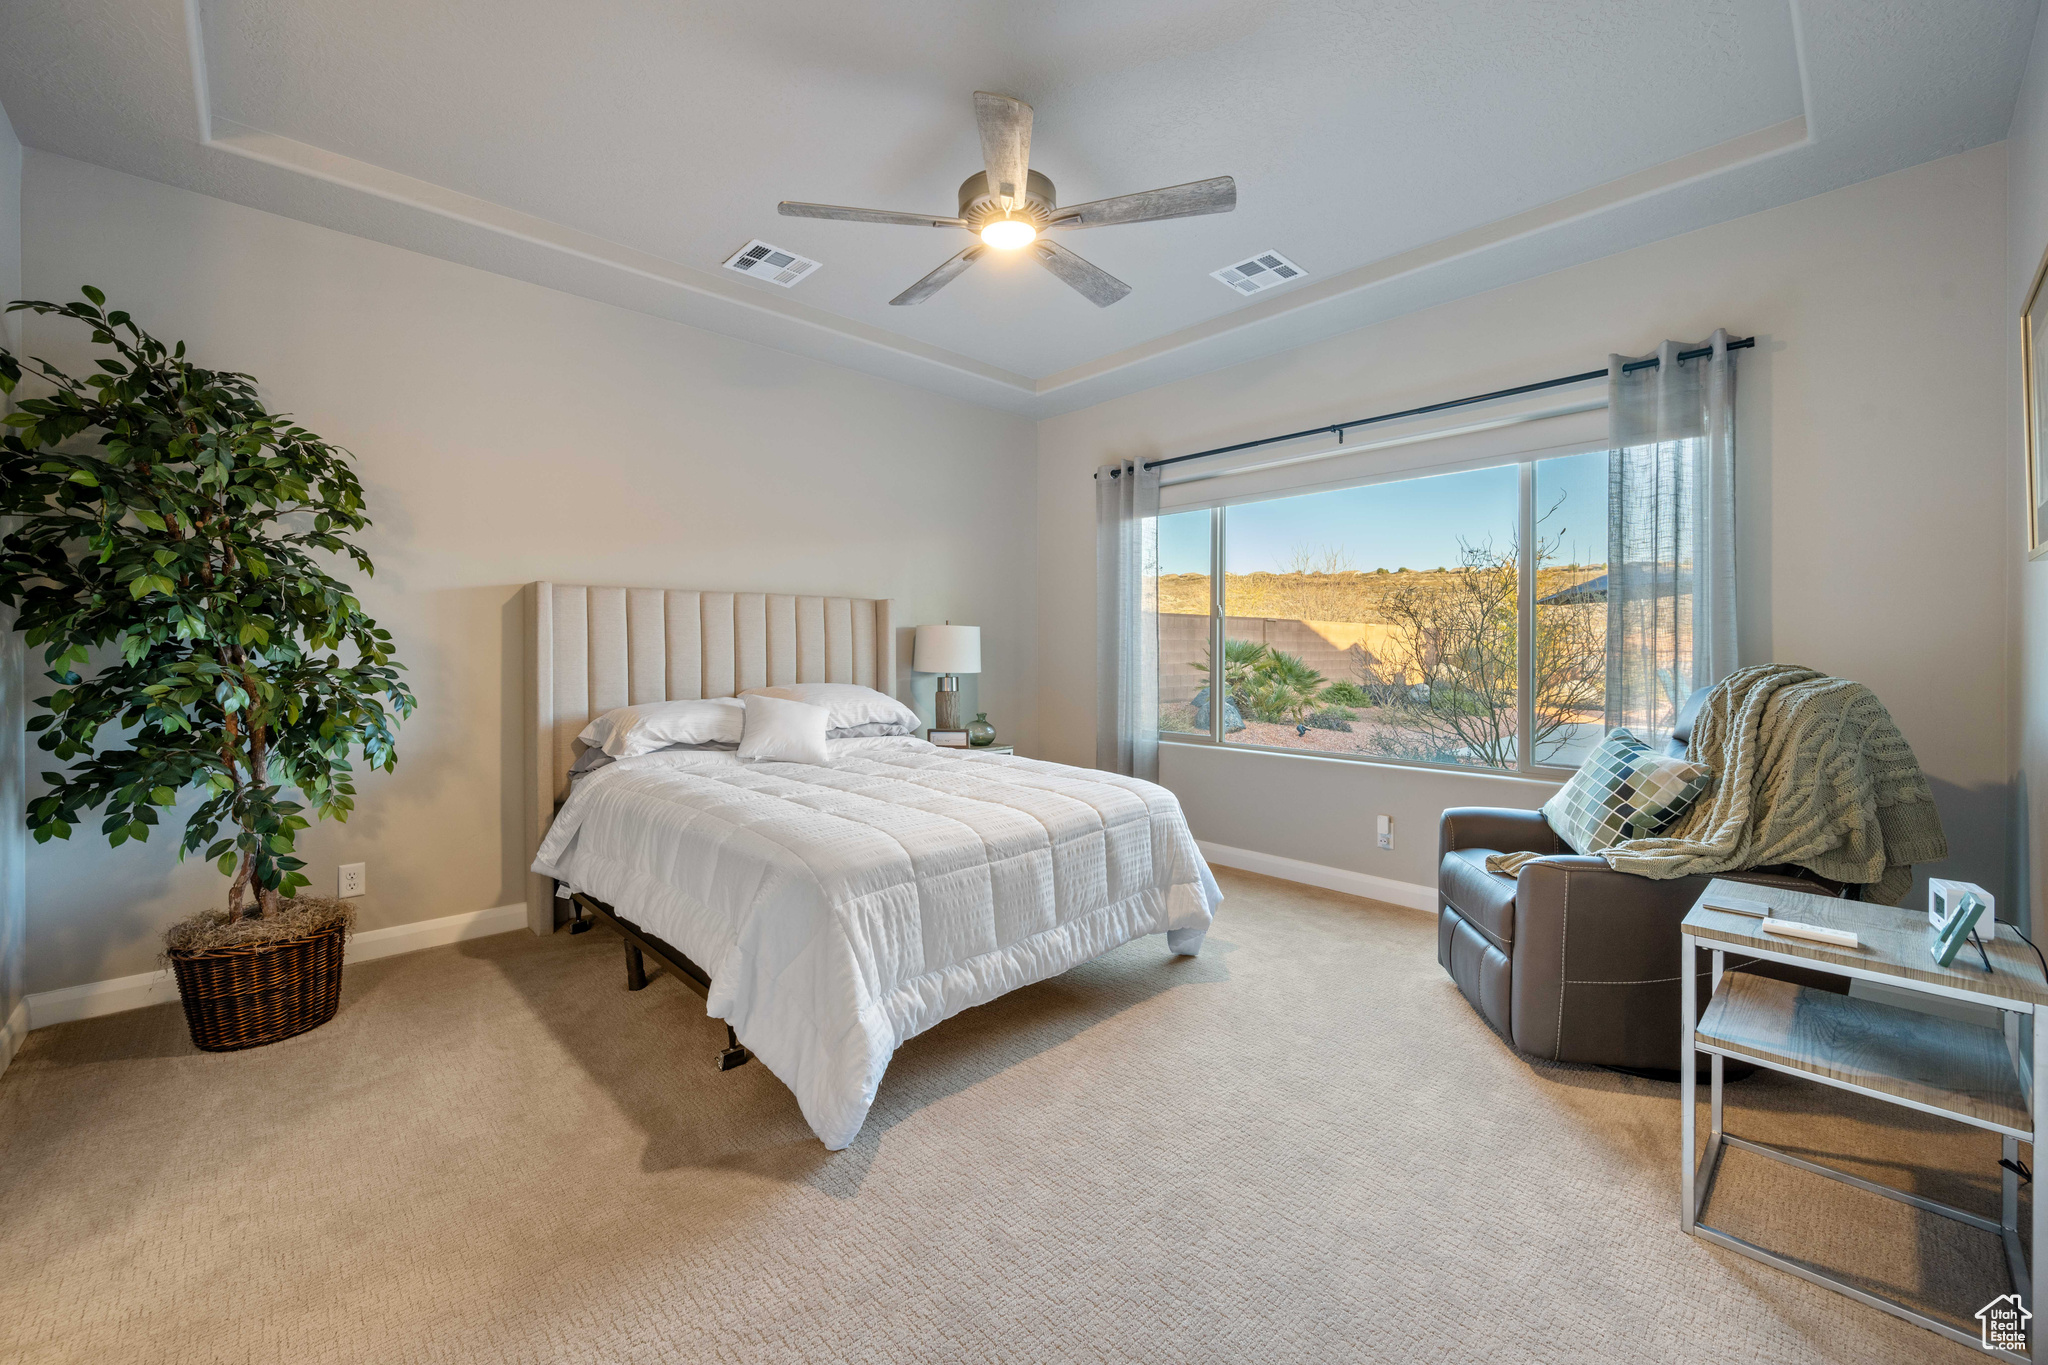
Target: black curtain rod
(1337,429)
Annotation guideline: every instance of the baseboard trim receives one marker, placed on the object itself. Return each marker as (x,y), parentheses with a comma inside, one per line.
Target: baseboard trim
(112,996)
(1410,894)
(12,1030)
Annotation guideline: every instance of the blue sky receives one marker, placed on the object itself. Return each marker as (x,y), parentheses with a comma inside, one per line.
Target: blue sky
(1413,523)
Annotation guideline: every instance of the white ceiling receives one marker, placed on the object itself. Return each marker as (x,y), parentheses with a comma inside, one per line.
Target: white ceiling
(1404,152)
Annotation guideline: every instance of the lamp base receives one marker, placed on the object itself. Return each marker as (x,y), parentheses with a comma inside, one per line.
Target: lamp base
(946,703)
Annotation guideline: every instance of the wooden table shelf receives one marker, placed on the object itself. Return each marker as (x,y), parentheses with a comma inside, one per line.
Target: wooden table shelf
(1946,1066)
(1969,1072)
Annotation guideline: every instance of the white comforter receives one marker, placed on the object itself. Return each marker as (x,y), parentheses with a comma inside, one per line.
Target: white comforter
(841,910)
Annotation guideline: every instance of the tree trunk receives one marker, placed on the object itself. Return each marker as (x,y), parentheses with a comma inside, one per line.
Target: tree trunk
(259,777)
(235,888)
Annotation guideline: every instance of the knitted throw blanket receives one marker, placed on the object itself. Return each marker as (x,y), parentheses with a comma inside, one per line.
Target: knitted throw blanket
(1808,770)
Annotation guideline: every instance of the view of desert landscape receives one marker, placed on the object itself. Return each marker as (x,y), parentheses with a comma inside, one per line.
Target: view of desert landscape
(1414,664)
(1350,595)
(1385,619)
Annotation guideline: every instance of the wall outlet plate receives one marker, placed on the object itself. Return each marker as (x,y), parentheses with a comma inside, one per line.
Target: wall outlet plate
(355,879)
(1386,831)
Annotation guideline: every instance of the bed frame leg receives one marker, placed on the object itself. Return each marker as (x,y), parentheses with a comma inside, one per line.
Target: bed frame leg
(577,923)
(680,967)
(733,1055)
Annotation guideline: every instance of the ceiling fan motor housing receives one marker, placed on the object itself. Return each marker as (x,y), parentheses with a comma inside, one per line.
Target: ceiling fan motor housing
(979,207)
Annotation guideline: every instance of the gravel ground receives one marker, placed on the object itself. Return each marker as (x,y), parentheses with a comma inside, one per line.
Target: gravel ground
(1367,737)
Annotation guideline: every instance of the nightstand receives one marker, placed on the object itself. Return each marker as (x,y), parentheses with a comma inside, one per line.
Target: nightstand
(1976,1074)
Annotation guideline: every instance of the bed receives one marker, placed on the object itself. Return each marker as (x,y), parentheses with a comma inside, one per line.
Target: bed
(827,913)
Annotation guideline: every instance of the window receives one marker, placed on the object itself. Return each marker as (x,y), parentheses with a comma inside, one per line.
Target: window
(1185,544)
(1571,608)
(1387,620)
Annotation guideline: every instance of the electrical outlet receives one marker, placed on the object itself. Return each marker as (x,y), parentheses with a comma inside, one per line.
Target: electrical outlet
(355,879)
(1386,831)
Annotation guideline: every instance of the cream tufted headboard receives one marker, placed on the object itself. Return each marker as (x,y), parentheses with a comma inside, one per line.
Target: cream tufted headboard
(592,649)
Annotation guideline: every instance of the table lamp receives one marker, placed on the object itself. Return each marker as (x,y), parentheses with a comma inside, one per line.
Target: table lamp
(948,651)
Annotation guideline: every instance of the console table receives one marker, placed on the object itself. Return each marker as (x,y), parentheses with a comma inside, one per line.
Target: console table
(1971,1073)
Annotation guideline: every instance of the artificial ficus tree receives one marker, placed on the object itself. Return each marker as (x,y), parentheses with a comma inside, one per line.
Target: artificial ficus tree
(166,551)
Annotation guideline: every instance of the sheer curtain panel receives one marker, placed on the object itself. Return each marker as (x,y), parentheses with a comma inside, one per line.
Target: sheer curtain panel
(1126,619)
(1670,531)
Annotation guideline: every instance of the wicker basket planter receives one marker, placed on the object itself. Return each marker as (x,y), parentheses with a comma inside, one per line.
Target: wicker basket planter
(250,994)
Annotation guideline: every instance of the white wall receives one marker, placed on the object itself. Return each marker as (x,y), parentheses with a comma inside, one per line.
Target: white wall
(506,432)
(1873,487)
(2026,240)
(13,677)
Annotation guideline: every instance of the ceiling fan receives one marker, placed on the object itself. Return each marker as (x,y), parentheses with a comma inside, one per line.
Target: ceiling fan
(1011,206)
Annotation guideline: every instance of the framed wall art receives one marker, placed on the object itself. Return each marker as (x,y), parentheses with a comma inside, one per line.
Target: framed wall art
(2034,415)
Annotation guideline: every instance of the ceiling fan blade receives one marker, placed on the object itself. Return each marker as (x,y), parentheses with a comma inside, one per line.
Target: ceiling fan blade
(1095,284)
(940,278)
(790,209)
(1177,201)
(1005,145)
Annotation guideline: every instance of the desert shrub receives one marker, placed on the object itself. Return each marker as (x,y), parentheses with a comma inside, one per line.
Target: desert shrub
(1458,637)
(1330,718)
(1281,689)
(1345,694)
(1267,684)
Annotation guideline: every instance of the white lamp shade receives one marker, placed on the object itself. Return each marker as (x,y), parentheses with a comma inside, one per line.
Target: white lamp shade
(947,649)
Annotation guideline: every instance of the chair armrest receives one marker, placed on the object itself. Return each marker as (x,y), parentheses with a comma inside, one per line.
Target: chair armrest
(1598,961)
(1498,828)
(1609,940)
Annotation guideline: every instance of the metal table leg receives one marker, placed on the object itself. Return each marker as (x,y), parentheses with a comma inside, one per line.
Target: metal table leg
(1720,960)
(2037,1334)
(1688,1059)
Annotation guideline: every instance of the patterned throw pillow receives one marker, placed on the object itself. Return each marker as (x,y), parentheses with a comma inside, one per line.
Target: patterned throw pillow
(1624,790)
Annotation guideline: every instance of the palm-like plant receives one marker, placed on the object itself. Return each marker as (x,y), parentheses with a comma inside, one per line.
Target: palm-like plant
(1267,684)
(167,555)
(1284,688)
(1241,659)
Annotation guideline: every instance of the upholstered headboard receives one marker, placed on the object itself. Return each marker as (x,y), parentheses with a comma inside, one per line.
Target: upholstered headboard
(592,649)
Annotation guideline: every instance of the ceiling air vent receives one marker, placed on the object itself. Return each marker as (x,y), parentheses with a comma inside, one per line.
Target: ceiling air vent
(770,263)
(1267,270)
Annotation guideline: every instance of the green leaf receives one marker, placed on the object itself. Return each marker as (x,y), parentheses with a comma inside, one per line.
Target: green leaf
(233,622)
(95,295)
(226,864)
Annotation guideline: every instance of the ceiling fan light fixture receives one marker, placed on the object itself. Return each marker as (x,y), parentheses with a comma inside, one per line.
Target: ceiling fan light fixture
(1008,233)
(992,208)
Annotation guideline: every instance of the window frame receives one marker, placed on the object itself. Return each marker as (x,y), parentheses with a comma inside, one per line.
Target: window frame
(1525,614)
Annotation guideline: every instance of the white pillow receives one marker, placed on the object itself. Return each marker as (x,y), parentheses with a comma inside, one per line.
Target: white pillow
(850,705)
(630,731)
(782,731)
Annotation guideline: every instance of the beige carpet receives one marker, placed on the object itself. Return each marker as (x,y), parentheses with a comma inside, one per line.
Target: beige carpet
(1303,1146)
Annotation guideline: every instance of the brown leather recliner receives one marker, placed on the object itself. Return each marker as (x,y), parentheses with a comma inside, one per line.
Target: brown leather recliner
(1573,961)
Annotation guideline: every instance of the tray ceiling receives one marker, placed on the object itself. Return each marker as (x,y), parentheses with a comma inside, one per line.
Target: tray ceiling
(1403,153)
